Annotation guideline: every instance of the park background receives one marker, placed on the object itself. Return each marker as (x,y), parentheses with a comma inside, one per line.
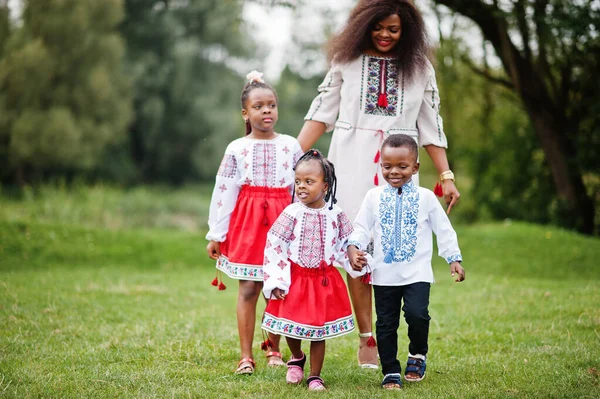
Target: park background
(114,115)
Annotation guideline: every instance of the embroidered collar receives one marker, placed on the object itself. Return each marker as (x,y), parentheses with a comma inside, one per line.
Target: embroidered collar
(407,188)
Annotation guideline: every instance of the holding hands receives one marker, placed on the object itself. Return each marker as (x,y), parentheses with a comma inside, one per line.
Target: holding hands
(358,258)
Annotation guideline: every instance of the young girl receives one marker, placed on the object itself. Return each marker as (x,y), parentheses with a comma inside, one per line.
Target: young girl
(380,83)
(401,218)
(253,185)
(308,297)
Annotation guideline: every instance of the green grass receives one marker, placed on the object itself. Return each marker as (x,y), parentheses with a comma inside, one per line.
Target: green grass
(96,310)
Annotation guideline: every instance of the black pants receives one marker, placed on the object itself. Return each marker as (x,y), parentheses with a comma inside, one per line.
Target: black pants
(388,301)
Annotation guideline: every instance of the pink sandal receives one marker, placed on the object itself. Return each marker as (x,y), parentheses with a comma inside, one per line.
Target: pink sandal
(295,373)
(316,384)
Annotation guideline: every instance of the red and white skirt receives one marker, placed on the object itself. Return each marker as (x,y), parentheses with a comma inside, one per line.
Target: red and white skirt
(316,307)
(243,251)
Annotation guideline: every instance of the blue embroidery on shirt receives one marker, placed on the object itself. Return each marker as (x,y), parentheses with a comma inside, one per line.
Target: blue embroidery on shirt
(398,215)
(454,258)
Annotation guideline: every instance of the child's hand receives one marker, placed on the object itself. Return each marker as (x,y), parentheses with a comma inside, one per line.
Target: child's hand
(278,293)
(357,258)
(456,268)
(214,249)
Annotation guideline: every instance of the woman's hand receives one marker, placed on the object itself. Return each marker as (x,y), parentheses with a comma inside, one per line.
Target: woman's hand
(451,194)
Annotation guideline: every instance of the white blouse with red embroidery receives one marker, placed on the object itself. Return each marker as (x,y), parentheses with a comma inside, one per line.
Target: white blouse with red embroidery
(305,236)
(255,162)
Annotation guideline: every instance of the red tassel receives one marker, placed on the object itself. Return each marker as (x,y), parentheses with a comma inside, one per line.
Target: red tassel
(371,342)
(222,286)
(377,157)
(266,344)
(366,278)
(325,282)
(376,180)
(215,282)
(437,190)
(382,100)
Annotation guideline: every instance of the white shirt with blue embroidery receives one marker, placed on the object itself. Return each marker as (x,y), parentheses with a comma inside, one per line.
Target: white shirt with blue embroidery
(401,226)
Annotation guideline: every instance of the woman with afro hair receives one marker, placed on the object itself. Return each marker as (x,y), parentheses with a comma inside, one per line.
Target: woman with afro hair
(380,83)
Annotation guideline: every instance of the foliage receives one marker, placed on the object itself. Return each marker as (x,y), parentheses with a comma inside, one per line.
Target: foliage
(63,94)
(185,94)
(549,50)
(492,142)
(123,312)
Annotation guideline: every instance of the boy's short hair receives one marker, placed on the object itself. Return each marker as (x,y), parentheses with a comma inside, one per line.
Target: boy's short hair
(401,140)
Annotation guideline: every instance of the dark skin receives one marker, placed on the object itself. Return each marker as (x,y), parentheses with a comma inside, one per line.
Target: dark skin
(398,165)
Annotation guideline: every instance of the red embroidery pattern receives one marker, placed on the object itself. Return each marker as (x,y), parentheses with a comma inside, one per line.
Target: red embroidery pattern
(297,156)
(312,246)
(265,276)
(345,226)
(264,164)
(223,187)
(282,265)
(228,167)
(283,227)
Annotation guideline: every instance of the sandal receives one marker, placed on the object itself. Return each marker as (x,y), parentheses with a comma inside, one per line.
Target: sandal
(295,373)
(246,366)
(415,368)
(392,382)
(316,384)
(274,359)
(367,353)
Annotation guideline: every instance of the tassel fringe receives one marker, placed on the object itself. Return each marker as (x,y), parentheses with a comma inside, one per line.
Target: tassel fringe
(437,190)
(371,343)
(218,282)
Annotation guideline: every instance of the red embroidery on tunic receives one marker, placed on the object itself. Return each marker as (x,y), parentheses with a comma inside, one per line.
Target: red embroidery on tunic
(228,167)
(283,227)
(264,164)
(223,188)
(245,152)
(285,149)
(282,264)
(312,245)
(345,226)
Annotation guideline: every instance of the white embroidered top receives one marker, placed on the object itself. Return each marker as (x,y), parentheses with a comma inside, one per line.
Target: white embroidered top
(347,102)
(265,163)
(307,236)
(401,227)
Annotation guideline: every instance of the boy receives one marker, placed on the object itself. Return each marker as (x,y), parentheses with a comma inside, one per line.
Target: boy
(400,217)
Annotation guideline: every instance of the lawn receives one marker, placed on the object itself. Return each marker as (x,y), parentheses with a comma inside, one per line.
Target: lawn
(106,293)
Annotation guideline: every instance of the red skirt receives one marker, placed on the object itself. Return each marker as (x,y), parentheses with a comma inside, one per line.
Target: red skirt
(256,209)
(316,307)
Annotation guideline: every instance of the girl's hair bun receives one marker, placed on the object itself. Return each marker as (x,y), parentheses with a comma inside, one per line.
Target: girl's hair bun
(255,76)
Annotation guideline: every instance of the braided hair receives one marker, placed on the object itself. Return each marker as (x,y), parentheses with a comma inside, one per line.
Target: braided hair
(328,172)
(248,87)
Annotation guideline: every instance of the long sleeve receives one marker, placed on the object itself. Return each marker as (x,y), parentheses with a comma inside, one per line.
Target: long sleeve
(429,121)
(364,222)
(345,230)
(276,267)
(447,240)
(224,197)
(325,107)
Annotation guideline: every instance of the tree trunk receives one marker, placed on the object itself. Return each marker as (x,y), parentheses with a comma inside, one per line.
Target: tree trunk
(565,172)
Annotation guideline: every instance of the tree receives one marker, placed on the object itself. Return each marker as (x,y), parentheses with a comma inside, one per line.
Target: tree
(63,94)
(550,52)
(186,95)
